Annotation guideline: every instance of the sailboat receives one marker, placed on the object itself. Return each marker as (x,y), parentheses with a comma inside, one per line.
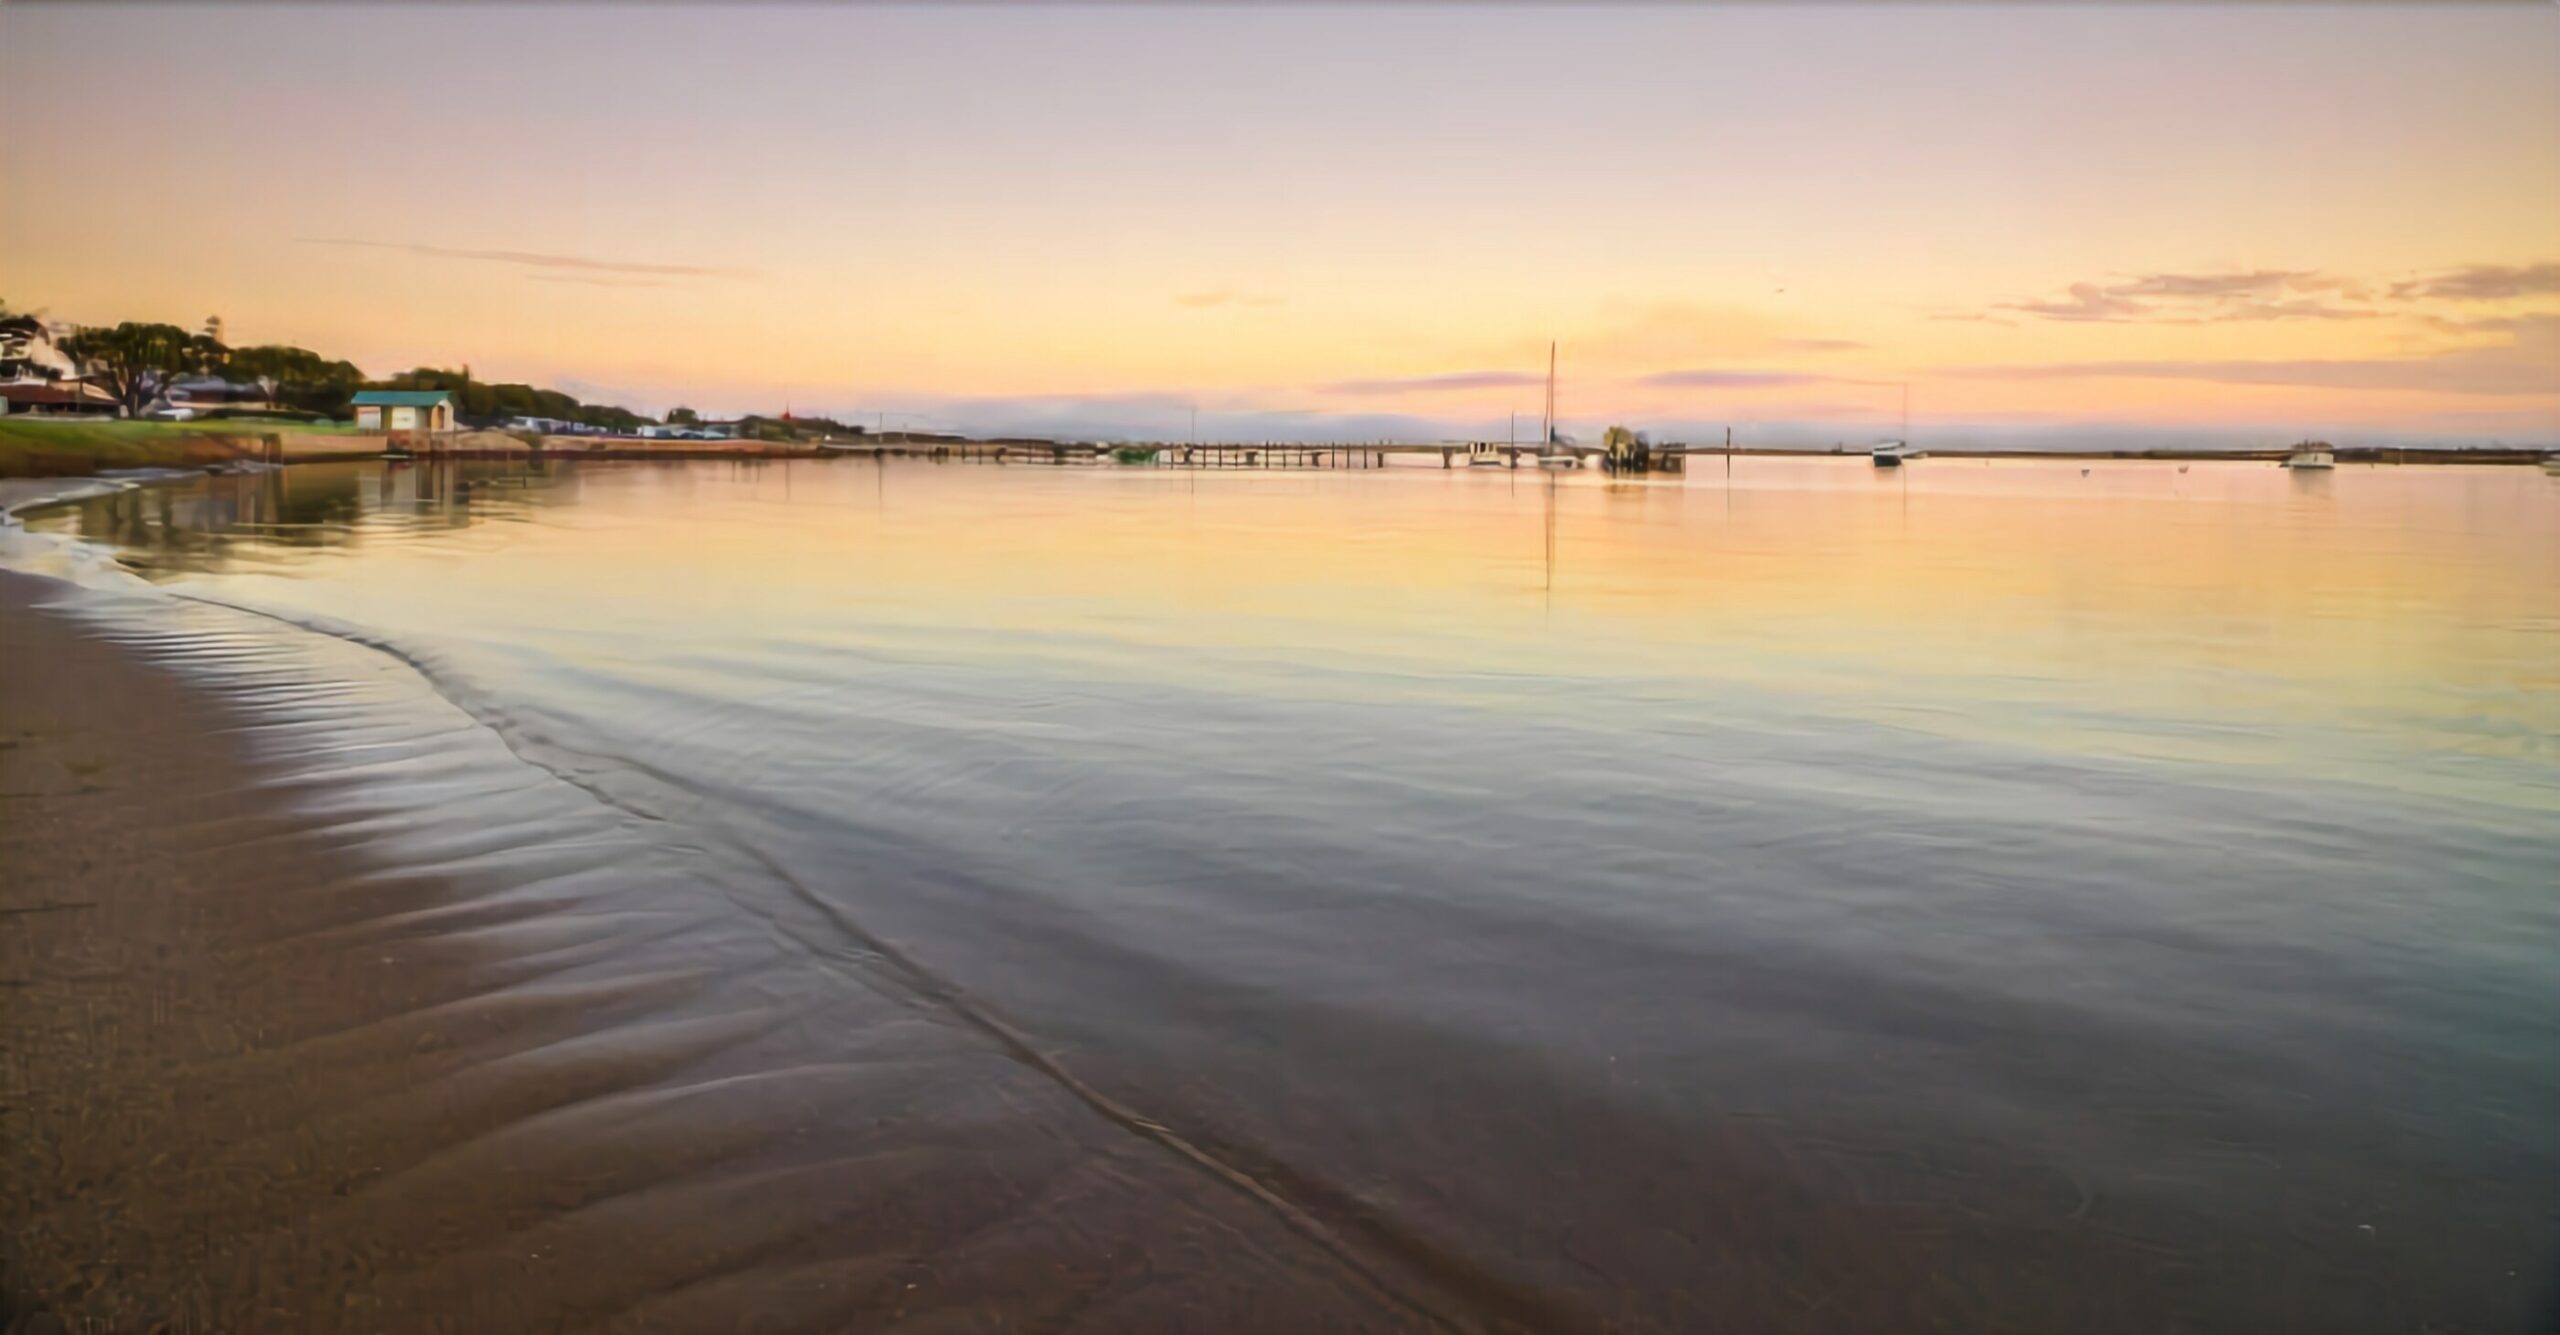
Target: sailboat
(1896,453)
(1551,452)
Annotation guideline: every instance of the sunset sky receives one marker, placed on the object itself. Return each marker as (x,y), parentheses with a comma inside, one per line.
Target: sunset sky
(2187,221)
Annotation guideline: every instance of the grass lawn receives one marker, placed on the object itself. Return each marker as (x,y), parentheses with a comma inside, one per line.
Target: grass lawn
(73,447)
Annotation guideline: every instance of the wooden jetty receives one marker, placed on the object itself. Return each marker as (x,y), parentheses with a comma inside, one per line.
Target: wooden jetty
(1669,457)
(1217,455)
(1266,455)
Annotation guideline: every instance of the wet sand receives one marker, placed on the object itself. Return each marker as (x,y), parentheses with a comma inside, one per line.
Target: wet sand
(256,1080)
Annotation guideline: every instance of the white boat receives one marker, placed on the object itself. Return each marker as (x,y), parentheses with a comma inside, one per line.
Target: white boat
(1896,453)
(2311,454)
(2551,464)
(1484,454)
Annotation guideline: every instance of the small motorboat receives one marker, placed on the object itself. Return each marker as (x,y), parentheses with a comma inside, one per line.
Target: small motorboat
(2311,454)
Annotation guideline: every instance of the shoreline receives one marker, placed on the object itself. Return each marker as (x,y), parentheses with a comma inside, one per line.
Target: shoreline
(30,453)
(274,1064)
(122,956)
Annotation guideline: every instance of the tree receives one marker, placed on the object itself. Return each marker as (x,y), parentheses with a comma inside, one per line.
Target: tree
(485,403)
(683,416)
(297,377)
(134,360)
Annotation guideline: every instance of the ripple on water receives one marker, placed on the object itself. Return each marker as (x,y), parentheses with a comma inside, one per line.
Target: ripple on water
(514,1057)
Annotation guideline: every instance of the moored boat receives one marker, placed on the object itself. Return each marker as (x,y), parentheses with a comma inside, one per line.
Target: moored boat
(1896,453)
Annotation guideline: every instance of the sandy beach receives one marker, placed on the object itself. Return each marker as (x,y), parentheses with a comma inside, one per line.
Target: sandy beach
(256,1081)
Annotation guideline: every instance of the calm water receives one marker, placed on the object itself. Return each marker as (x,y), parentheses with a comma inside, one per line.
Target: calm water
(1990,896)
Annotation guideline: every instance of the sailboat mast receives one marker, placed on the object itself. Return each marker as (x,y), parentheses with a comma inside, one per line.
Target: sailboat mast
(1547,436)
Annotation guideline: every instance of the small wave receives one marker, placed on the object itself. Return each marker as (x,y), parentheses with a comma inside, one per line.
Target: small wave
(60,556)
(374,728)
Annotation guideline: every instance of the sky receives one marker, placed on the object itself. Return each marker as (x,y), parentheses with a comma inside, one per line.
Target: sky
(2083,224)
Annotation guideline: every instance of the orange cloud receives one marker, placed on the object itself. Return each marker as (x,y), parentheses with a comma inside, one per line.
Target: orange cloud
(532,259)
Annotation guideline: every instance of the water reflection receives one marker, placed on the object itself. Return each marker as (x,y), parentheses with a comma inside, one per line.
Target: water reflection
(2114,605)
(200,525)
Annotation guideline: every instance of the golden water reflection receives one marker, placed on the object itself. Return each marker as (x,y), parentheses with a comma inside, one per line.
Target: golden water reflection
(2228,613)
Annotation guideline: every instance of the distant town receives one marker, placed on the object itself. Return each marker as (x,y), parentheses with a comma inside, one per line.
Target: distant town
(168,373)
